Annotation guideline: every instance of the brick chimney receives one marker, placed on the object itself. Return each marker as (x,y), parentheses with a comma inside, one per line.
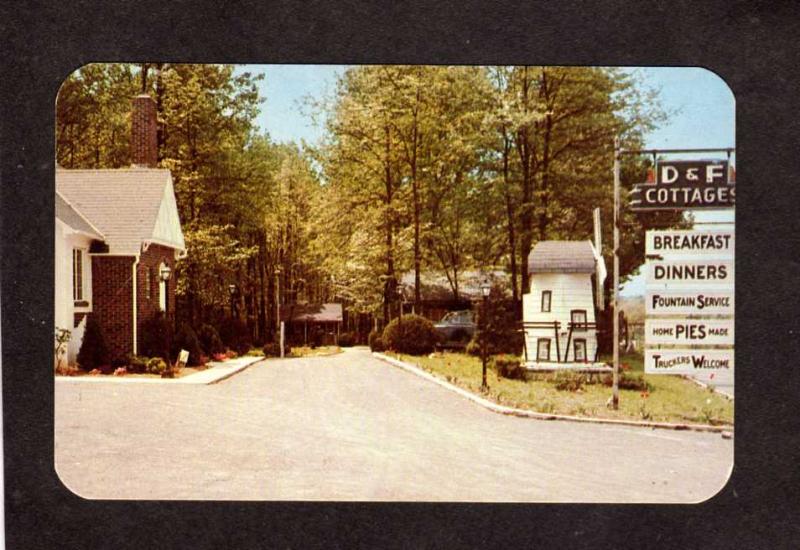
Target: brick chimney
(144,144)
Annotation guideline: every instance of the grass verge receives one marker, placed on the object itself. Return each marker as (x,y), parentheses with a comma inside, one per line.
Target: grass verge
(670,398)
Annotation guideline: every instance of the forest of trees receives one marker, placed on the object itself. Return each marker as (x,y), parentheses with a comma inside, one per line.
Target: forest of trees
(421,169)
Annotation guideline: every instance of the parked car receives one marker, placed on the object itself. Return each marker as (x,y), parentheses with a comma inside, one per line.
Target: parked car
(456,327)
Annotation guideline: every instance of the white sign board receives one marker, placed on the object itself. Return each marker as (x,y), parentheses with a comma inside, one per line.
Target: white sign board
(688,303)
(687,361)
(709,244)
(690,273)
(689,331)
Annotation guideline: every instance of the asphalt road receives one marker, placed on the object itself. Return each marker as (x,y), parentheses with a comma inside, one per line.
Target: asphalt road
(351,427)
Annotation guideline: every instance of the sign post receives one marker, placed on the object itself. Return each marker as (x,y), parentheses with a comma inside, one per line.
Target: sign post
(615,384)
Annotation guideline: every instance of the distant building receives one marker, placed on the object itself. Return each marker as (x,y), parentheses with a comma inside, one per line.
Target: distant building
(117,238)
(317,324)
(558,312)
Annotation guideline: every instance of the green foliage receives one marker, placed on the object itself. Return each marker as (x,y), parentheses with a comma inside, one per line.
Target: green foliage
(273,349)
(508,366)
(347,339)
(568,380)
(155,337)
(375,341)
(210,340)
(137,363)
(94,351)
(187,339)
(474,347)
(412,334)
(156,365)
(235,334)
(628,381)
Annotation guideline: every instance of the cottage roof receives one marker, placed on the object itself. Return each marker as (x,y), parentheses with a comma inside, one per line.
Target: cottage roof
(312,313)
(130,207)
(562,257)
(74,219)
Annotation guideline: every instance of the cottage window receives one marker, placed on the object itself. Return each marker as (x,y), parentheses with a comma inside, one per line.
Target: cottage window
(578,317)
(546,295)
(77,274)
(580,350)
(543,349)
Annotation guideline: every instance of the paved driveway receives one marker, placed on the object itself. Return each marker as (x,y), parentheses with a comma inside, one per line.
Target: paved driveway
(351,427)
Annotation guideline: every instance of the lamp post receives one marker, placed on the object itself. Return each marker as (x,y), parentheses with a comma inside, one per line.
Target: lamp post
(486,289)
(399,291)
(232,292)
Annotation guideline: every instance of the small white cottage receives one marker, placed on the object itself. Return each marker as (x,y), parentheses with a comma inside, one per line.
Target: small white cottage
(558,312)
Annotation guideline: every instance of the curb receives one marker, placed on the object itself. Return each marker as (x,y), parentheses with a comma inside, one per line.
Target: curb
(510,411)
(705,386)
(224,375)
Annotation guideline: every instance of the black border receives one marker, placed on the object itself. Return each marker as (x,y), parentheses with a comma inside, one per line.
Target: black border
(749,44)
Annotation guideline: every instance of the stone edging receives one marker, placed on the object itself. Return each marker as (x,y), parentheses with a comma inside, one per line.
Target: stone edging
(502,409)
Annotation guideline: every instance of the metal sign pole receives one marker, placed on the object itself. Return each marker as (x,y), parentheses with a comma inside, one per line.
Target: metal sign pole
(615,394)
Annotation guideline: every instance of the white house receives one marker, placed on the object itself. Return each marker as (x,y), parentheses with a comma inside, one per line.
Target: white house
(558,312)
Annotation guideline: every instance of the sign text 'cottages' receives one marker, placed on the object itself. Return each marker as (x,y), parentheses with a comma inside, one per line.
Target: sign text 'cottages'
(686,184)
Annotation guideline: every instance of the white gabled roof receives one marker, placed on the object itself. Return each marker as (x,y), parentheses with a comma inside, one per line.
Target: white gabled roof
(130,207)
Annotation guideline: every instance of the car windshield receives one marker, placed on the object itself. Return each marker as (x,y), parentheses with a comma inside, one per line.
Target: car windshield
(457,317)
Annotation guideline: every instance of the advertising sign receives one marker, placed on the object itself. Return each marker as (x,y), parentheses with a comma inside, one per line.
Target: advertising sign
(689,331)
(716,244)
(687,361)
(686,184)
(691,273)
(688,303)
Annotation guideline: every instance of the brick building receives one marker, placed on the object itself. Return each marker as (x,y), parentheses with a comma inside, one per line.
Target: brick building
(118,236)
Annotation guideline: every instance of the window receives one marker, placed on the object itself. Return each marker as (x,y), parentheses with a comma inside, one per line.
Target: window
(580,350)
(162,295)
(543,349)
(546,295)
(578,317)
(77,274)
(148,283)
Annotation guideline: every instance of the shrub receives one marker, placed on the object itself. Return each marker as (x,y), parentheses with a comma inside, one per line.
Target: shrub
(236,335)
(473,347)
(347,339)
(155,339)
(94,352)
(568,380)
(628,382)
(67,370)
(210,340)
(413,334)
(376,341)
(499,322)
(187,339)
(508,366)
(156,365)
(273,349)
(137,363)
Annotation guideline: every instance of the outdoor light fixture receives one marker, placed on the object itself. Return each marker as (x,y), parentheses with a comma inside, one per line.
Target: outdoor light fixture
(486,288)
(232,289)
(164,272)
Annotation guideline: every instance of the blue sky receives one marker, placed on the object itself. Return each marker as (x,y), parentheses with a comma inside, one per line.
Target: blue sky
(702,111)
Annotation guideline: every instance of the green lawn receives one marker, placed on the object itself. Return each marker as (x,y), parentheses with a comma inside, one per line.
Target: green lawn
(670,399)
